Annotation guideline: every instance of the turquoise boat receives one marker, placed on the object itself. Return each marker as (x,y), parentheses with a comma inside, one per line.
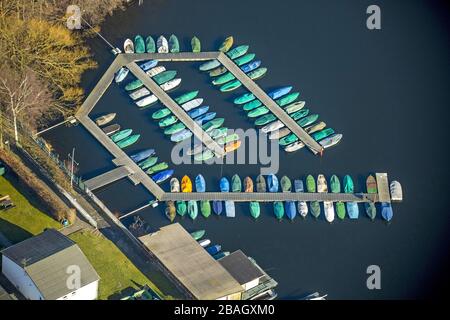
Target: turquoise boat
(147,163)
(161,113)
(128,141)
(209,65)
(244,59)
(246,97)
(322,134)
(133,85)
(287,99)
(257,74)
(308,120)
(150,44)
(174,45)
(300,114)
(223,79)
(218,133)
(139,44)
(258,112)
(278,209)
(116,137)
(164,76)
(197,235)
(177,127)
(230,86)
(237,52)
(255,209)
(185,97)
(192,209)
(213,124)
(251,105)
(167,121)
(290,138)
(196,45)
(181,207)
(265,119)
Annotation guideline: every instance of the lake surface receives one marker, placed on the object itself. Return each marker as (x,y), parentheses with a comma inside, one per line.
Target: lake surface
(386,91)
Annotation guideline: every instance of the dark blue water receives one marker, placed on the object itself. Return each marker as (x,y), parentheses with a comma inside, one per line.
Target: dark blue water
(386,91)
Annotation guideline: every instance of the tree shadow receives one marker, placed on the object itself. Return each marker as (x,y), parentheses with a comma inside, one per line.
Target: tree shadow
(13,232)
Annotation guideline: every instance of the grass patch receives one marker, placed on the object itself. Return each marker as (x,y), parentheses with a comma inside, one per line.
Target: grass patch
(119,277)
(24,220)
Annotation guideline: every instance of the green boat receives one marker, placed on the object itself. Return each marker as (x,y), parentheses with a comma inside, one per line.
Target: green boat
(164,76)
(128,141)
(157,167)
(340,210)
(252,105)
(258,112)
(244,59)
(223,79)
(257,74)
(322,134)
(236,183)
(308,120)
(310,184)
(315,208)
(287,99)
(348,184)
(213,124)
(167,121)
(278,209)
(230,86)
(227,139)
(197,235)
(174,45)
(161,113)
(294,107)
(218,133)
(371,211)
(139,44)
(147,163)
(195,45)
(290,138)
(209,65)
(185,97)
(133,85)
(177,127)
(335,184)
(181,208)
(226,45)
(237,52)
(255,209)
(150,44)
(116,137)
(205,208)
(218,71)
(286,184)
(204,156)
(265,119)
(192,209)
(300,114)
(246,97)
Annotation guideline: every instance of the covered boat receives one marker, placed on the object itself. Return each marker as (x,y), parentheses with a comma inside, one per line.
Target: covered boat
(279,92)
(310,184)
(258,112)
(205,208)
(290,209)
(372,188)
(222,254)
(278,209)
(227,44)
(218,71)
(260,184)
(329,211)
(335,184)
(230,209)
(223,79)
(299,114)
(265,119)
(315,208)
(111,129)
(352,210)
(147,163)
(192,209)
(174,185)
(237,51)
(294,146)
(192,104)
(197,112)
(236,184)
(294,107)
(200,184)
(162,176)
(322,134)
(209,65)
(205,117)
(251,66)
(303,122)
(142,92)
(315,127)
(167,121)
(204,243)
(181,135)
(286,184)
(322,184)
(214,249)
(157,167)
(246,97)
(196,45)
(386,211)
(331,140)
(272,126)
(162,45)
(371,210)
(164,76)
(121,74)
(255,209)
(170,85)
(197,235)
(251,105)
(150,45)
(340,210)
(185,97)
(181,208)
(257,74)
(248,184)
(244,59)
(371,184)
(186,184)
(147,65)
(128,46)
(161,113)
(290,138)
(272,183)
(174,45)
(302,206)
(348,184)
(105,119)
(230,86)
(204,156)
(224,185)
(217,207)
(139,44)
(396,191)
(218,133)
(133,85)
(177,127)
(128,141)
(170,210)
(213,124)
(141,155)
(285,100)
(156,70)
(148,100)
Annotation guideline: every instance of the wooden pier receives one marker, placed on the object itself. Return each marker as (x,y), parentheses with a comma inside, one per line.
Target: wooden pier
(108,178)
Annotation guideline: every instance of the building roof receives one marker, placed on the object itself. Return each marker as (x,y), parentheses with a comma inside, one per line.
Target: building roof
(240,267)
(190,263)
(47,259)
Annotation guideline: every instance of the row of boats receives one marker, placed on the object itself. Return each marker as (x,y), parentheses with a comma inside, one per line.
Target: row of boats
(263,118)
(162,45)
(214,250)
(289,208)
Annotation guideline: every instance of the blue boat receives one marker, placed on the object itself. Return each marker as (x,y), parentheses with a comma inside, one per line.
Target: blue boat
(212,250)
(251,66)
(277,93)
(298,185)
(272,182)
(352,209)
(162,176)
(181,135)
(200,184)
(148,64)
(217,207)
(141,155)
(386,211)
(290,209)
(206,117)
(224,185)
(121,74)
(198,111)
(229,209)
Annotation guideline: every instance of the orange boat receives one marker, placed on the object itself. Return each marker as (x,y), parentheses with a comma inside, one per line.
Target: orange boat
(186,184)
(232,146)
(248,184)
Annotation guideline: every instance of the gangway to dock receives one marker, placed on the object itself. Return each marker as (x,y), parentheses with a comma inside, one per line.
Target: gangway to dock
(108,178)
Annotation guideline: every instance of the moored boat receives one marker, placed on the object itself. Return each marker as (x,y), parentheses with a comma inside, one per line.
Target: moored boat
(204,243)
(285,100)
(181,135)
(224,185)
(205,208)
(286,184)
(162,176)
(230,86)
(315,127)
(335,184)
(299,114)
(177,127)
(209,65)
(139,44)
(329,211)
(230,210)
(251,105)
(161,113)
(248,184)
(128,46)
(170,210)
(189,105)
(218,133)
(181,207)
(164,76)
(162,45)
(396,191)
(310,184)
(251,66)
(167,121)
(244,59)
(185,97)
(147,163)
(303,122)
(133,85)
(322,186)
(212,250)
(217,207)
(197,235)
(294,107)
(155,71)
(287,140)
(195,45)
(246,97)
(174,45)
(302,206)
(213,124)
(255,209)
(141,155)
(340,210)
(348,184)
(237,51)
(272,183)
(186,184)
(272,126)
(142,92)
(222,254)
(116,137)
(290,209)
(197,112)
(150,44)
(279,92)
(157,167)
(371,211)
(322,134)
(174,185)
(372,188)
(331,140)
(257,74)
(223,79)
(315,208)
(236,184)
(204,156)
(265,119)
(386,211)
(280,133)
(147,65)
(261,184)
(111,129)
(232,146)
(105,119)
(148,100)
(200,184)
(258,112)
(218,71)
(196,149)
(371,184)
(297,145)
(226,45)
(121,74)
(205,117)
(171,84)
(228,139)
(192,210)
(278,209)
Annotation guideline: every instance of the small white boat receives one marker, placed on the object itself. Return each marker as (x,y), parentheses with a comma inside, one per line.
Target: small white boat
(314,296)
(302,208)
(272,126)
(322,186)
(139,93)
(331,140)
(156,70)
(172,84)
(147,101)
(329,210)
(121,74)
(278,134)
(204,242)
(105,119)
(162,44)
(315,127)
(128,46)
(192,104)
(174,185)
(294,107)
(294,146)
(396,191)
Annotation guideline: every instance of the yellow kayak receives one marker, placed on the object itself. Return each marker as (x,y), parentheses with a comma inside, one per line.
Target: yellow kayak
(227,44)
(186,184)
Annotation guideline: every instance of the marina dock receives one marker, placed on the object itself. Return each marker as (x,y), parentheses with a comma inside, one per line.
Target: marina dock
(108,177)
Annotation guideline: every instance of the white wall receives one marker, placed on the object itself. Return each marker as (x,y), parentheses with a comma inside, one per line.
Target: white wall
(20,279)
(88,292)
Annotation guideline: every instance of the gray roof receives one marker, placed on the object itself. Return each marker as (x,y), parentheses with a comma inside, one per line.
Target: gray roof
(46,258)
(240,267)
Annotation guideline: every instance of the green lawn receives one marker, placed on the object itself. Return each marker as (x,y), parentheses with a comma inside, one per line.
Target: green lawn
(118,275)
